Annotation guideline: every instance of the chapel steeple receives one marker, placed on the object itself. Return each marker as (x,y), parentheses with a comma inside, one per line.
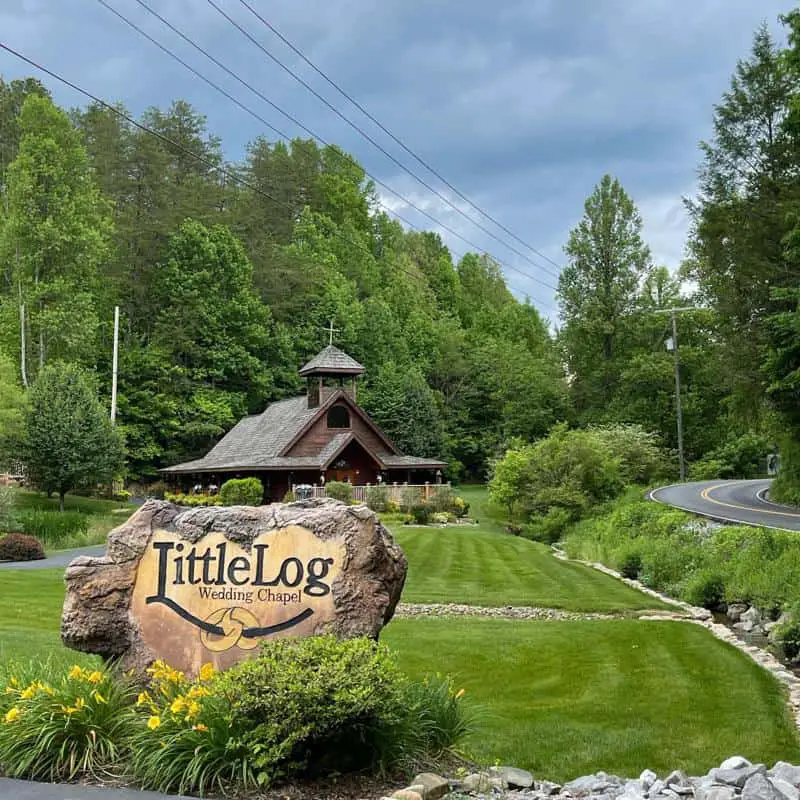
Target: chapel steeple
(336,367)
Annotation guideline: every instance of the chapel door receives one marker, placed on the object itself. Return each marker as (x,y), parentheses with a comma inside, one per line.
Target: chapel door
(344,475)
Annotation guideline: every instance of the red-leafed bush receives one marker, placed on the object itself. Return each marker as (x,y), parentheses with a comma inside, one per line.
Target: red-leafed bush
(20,547)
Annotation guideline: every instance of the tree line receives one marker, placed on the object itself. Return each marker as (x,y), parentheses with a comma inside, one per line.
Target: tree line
(228,272)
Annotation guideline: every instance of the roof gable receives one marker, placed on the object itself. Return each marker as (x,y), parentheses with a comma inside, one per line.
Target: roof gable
(356,409)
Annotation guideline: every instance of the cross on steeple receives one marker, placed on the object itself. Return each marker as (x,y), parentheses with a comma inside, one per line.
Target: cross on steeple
(331,330)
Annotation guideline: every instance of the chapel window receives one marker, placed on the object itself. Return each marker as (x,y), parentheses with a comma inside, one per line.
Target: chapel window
(338,417)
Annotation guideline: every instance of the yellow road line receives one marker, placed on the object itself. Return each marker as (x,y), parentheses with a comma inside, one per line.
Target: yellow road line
(706,496)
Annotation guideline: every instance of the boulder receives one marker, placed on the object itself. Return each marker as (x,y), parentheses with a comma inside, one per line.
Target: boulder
(735,762)
(758,787)
(714,792)
(547,788)
(513,778)
(435,786)
(789,791)
(648,778)
(786,772)
(677,780)
(736,777)
(735,611)
(749,621)
(206,585)
(477,782)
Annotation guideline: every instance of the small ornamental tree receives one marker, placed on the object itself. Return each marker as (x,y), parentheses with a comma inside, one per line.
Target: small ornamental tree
(68,439)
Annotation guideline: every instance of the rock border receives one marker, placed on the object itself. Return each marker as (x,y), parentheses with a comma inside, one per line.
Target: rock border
(703,617)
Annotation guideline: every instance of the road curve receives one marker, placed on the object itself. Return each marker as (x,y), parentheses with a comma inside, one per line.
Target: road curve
(740,502)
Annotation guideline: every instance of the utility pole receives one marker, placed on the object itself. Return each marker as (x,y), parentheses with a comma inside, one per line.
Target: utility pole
(114,364)
(672,344)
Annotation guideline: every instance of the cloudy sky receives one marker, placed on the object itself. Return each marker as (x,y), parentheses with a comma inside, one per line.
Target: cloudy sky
(521,104)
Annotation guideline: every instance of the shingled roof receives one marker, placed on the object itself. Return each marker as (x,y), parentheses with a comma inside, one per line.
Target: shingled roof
(332,361)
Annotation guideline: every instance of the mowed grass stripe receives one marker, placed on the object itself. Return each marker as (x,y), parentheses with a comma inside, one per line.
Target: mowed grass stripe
(482,566)
(568,698)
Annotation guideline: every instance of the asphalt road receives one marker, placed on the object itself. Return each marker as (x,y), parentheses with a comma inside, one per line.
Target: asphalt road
(730,501)
(28,790)
(60,559)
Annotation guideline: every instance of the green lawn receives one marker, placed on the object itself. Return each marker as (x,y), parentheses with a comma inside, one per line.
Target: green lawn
(560,698)
(483,566)
(568,698)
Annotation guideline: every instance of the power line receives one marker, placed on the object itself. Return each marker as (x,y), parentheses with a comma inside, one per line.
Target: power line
(297,122)
(374,143)
(394,138)
(209,163)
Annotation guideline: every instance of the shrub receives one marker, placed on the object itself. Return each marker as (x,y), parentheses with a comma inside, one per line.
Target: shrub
(339,490)
(421,513)
(706,589)
(630,564)
(241,492)
(20,547)
(53,527)
(739,457)
(392,507)
(57,725)
(378,498)
(288,497)
(440,517)
(460,507)
(549,528)
(187,738)
(639,451)
(443,499)
(787,634)
(316,704)
(193,500)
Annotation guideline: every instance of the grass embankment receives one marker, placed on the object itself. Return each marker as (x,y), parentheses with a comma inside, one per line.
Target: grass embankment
(703,565)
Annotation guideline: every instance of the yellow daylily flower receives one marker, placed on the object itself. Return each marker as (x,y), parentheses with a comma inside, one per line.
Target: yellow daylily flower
(200,727)
(198,691)
(98,697)
(193,710)
(207,672)
(95,677)
(143,698)
(178,705)
(12,715)
(153,722)
(75,673)
(460,693)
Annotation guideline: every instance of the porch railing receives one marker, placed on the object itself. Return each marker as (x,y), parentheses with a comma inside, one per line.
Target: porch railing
(396,491)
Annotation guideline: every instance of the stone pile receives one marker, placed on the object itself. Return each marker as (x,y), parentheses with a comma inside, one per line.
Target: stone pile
(735,779)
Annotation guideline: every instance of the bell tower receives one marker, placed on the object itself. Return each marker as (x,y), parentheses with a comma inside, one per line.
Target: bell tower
(330,370)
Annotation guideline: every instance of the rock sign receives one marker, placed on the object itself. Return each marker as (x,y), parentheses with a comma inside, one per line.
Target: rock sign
(192,586)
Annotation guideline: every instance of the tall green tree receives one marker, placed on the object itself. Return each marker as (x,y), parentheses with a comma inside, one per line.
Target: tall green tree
(68,439)
(599,289)
(56,236)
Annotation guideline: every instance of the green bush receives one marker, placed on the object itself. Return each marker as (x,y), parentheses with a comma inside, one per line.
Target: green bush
(421,513)
(20,547)
(378,498)
(158,489)
(53,527)
(242,492)
(288,497)
(58,726)
(339,490)
(787,634)
(739,457)
(460,507)
(315,704)
(550,527)
(706,589)
(640,453)
(193,500)
(629,564)
(409,497)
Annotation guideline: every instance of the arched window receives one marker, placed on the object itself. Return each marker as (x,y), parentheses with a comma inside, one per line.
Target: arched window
(338,417)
